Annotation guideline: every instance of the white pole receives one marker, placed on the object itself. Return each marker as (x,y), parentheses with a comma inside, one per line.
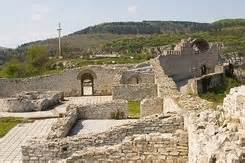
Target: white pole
(59,33)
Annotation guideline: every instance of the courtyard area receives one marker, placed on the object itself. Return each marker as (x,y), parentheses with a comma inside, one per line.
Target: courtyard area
(10,144)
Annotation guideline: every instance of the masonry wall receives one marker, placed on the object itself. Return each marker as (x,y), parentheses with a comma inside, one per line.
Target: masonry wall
(205,83)
(154,148)
(151,106)
(116,109)
(66,81)
(128,77)
(179,67)
(134,92)
(56,149)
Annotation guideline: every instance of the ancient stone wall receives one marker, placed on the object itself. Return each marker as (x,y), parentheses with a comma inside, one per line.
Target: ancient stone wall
(234,104)
(155,147)
(137,77)
(63,125)
(214,139)
(135,92)
(56,149)
(31,101)
(66,82)
(205,83)
(185,61)
(116,109)
(151,106)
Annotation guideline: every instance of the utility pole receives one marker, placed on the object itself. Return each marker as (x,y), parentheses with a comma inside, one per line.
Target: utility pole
(59,33)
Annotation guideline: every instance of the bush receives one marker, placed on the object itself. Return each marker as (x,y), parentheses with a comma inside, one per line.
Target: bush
(37,56)
(118,115)
(14,69)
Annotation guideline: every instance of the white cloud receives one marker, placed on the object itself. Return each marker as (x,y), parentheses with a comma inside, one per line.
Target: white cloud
(132,9)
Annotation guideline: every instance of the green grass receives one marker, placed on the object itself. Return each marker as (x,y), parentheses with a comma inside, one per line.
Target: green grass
(6,124)
(134,109)
(216,96)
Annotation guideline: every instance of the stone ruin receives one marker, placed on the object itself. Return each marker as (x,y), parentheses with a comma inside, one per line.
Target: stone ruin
(31,101)
(174,126)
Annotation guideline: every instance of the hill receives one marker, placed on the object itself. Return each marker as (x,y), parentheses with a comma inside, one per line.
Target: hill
(134,36)
(147,27)
(225,23)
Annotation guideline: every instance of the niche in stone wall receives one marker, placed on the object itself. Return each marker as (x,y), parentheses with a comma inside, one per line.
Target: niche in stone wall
(135,79)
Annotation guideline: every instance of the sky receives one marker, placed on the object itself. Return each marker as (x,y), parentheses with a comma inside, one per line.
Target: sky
(29,20)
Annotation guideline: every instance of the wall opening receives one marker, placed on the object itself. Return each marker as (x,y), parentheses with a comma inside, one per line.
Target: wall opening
(204,70)
(87,85)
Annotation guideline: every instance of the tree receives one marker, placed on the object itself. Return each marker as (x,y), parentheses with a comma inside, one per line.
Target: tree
(37,56)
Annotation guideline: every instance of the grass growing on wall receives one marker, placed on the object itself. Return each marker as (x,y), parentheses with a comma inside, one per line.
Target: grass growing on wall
(217,95)
(134,109)
(6,124)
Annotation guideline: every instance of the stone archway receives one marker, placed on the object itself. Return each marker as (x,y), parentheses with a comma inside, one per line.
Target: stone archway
(200,45)
(87,78)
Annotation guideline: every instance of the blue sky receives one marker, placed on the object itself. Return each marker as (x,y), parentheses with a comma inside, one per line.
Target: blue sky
(28,20)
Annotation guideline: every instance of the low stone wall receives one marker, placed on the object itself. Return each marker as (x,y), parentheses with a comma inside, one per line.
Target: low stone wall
(57,149)
(155,147)
(31,101)
(134,92)
(205,83)
(63,125)
(151,106)
(116,109)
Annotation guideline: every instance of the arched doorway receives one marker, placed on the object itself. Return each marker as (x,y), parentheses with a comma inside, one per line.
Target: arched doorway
(87,85)
(87,78)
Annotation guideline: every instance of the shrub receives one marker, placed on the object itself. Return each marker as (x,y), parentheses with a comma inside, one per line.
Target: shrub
(37,56)
(14,69)
(118,115)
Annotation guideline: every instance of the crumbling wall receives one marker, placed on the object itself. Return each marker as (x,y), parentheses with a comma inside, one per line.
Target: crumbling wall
(135,92)
(66,82)
(185,61)
(56,149)
(151,106)
(31,101)
(234,104)
(116,109)
(205,83)
(213,139)
(155,147)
